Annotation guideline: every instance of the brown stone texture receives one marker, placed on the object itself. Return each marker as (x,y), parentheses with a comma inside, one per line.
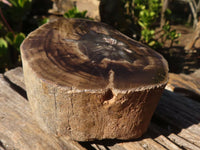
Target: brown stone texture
(89,81)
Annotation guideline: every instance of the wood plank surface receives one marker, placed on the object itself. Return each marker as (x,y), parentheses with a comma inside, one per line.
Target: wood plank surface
(166,142)
(186,85)
(16,76)
(18,130)
(182,142)
(174,126)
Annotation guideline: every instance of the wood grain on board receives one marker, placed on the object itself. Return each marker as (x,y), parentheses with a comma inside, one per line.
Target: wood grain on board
(175,125)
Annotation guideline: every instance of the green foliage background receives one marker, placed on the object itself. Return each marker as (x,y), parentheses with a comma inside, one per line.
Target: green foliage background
(136,18)
(12,16)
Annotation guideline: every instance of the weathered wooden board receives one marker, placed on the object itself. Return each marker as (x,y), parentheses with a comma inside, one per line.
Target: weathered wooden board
(18,130)
(175,126)
(166,142)
(186,85)
(16,76)
(183,143)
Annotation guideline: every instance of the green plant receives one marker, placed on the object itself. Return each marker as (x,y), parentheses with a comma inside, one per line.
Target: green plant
(16,13)
(75,13)
(170,34)
(15,40)
(9,50)
(12,14)
(43,21)
(147,12)
(145,15)
(3,53)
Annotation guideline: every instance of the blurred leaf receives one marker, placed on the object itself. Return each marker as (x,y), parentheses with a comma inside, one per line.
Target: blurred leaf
(152,43)
(152,13)
(3,43)
(152,32)
(21,3)
(168,12)
(141,24)
(75,13)
(4,57)
(1,26)
(13,2)
(43,21)
(18,40)
(3,46)
(10,38)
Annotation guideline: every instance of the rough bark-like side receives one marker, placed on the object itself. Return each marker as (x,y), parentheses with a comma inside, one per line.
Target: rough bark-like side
(86,115)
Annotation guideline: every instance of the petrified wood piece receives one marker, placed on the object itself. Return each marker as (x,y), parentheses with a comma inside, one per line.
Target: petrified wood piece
(89,81)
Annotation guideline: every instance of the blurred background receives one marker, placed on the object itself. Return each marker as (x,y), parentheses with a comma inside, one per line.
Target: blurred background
(170,27)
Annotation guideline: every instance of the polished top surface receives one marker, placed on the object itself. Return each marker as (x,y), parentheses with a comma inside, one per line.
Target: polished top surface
(83,54)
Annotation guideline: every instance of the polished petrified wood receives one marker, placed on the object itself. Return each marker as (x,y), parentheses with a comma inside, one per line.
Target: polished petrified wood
(89,81)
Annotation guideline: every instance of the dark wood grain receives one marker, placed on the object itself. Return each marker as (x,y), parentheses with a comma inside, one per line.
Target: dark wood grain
(80,52)
(87,80)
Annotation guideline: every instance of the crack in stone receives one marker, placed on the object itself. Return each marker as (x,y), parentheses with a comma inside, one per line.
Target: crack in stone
(111,79)
(72,107)
(55,103)
(110,90)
